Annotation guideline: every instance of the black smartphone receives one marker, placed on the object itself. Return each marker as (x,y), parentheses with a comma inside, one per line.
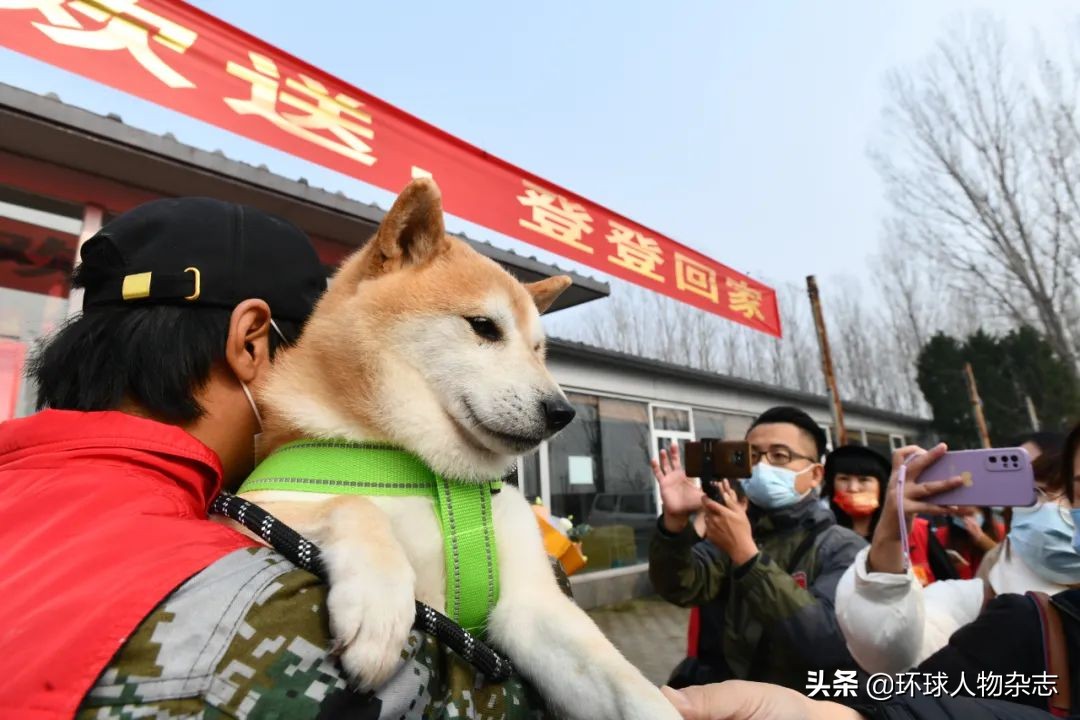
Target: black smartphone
(712,460)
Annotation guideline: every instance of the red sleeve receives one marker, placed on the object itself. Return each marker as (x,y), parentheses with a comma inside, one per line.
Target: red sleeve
(693,632)
(918,542)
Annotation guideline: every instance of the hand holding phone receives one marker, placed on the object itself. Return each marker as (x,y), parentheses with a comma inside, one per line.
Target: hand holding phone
(711,460)
(992,477)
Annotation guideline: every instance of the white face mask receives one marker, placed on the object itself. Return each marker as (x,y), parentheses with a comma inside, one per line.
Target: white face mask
(251,398)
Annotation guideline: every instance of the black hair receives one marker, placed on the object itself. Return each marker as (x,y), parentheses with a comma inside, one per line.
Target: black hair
(1047,440)
(160,356)
(794,416)
(1068,454)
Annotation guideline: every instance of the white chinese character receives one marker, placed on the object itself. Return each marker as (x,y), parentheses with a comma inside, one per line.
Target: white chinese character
(339,116)
(845,684)
(934,684)
(963,684)
(125,25)
(988,685)
(1044,685)
(909,683)
(815,683)
(1016,684)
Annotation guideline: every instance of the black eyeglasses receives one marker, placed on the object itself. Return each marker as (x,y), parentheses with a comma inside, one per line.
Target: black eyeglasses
(778,455)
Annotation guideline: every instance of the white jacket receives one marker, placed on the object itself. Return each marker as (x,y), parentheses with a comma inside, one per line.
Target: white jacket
(892,623)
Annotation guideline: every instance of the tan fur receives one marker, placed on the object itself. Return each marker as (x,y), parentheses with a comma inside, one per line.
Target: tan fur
(391,354)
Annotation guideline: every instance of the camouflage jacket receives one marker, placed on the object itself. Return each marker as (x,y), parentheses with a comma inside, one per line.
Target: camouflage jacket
(248,638)
(763,621)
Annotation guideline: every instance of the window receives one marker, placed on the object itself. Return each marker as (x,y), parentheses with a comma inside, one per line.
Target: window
(668,418)
(596,464)
(709,424)
(605,503)
(896,441)
(736,426)
(879,442)
(38,237)
(644,503)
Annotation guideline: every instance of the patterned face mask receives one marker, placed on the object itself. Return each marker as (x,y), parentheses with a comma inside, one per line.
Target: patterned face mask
(857,504)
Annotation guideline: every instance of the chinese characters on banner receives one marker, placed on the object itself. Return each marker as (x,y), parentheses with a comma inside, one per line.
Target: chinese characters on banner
(176,55)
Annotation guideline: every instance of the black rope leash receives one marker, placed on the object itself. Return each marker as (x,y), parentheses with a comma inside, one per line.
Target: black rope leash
(306,555)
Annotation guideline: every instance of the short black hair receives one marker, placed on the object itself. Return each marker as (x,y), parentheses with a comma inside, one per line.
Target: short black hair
(798,418)
(157,355)
(857,460)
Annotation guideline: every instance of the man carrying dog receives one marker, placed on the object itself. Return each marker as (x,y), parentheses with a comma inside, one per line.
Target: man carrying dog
(765,574)
(120,597)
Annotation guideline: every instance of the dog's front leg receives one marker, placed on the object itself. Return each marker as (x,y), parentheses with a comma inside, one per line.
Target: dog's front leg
(371,601)
(551,640)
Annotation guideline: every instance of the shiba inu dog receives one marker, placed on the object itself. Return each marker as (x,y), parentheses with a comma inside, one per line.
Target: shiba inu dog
(423,344)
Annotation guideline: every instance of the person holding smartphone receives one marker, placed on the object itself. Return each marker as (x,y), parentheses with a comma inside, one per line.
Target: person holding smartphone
(892,623)
(765,570)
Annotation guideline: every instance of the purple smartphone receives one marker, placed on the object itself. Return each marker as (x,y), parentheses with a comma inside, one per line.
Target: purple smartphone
(994,477)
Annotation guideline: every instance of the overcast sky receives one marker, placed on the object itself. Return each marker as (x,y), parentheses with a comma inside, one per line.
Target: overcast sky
(740,129)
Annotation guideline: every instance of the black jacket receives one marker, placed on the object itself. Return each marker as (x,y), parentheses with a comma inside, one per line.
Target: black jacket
(950,708)
(1007,637)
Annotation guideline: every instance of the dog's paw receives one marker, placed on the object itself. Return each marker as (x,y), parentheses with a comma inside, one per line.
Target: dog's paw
(371,622)
(649,704)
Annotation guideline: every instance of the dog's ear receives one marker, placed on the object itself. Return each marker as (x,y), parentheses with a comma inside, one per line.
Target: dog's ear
(545,292)
(411,234)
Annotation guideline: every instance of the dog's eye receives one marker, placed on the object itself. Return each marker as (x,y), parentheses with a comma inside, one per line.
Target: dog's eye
(485,328)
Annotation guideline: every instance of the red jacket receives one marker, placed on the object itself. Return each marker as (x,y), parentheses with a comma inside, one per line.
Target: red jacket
(103,515)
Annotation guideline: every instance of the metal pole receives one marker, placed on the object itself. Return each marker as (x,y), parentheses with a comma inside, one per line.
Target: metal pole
(976,405)
(1032,415)
(826,362)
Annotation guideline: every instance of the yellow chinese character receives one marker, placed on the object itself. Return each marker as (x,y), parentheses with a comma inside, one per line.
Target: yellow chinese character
(635,251)
(697,278)
(555,216)
(744,299)
(340,115)
(127,26)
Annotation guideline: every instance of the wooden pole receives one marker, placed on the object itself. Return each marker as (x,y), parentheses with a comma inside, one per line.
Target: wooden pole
(826,363)
(1032,415)
(976,405)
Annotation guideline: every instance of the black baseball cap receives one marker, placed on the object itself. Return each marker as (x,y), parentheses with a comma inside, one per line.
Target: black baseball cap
(202,252)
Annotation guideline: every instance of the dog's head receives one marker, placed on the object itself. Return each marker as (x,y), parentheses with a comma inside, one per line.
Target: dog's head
(425,343)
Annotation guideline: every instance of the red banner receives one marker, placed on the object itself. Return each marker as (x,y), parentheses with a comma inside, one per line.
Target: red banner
(178,56)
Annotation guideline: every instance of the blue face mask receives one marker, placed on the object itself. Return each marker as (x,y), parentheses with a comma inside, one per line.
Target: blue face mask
(1044,540)
(771,488)
(1075,512)
(958,520)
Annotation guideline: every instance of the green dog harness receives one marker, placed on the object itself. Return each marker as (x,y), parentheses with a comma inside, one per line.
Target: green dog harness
(464,508)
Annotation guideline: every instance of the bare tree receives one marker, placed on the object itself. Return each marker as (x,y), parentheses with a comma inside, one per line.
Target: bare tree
(976,181)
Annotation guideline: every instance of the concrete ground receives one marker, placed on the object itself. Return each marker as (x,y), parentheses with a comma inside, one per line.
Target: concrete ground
(648,631)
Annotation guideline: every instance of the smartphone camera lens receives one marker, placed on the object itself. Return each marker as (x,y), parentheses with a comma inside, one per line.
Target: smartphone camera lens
(1015,459)
(993,459)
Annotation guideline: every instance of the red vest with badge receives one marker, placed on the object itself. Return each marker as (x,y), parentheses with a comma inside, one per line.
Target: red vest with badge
(103,515)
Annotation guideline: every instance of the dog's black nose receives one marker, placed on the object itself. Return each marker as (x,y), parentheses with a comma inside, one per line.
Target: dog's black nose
(557,413)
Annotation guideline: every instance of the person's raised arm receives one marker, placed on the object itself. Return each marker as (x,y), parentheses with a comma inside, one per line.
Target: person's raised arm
(886,550)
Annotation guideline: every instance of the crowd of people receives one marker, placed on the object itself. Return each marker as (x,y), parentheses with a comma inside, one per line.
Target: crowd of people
(802,583)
